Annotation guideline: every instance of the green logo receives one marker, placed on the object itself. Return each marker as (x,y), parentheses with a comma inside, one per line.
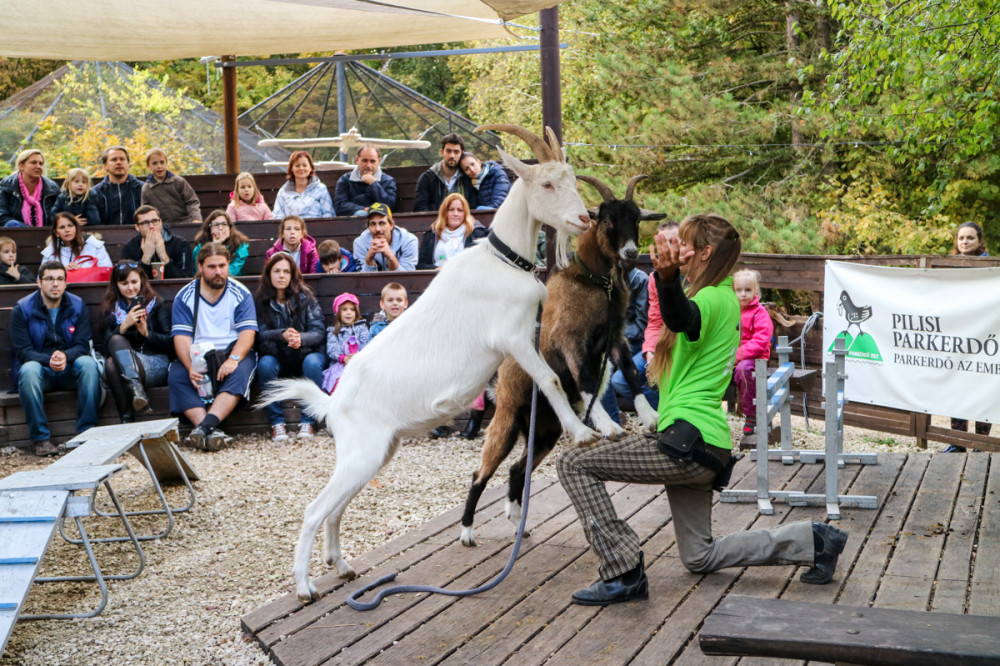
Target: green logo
(863,346)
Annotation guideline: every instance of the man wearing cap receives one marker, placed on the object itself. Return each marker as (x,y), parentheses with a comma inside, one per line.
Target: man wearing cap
(384,246)
(364,185)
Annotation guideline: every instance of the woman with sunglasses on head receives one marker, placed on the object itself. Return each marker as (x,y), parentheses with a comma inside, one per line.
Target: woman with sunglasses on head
(218,227)
(67,244)
(136,338)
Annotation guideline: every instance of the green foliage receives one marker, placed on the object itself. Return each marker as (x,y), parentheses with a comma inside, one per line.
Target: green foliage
(17,73)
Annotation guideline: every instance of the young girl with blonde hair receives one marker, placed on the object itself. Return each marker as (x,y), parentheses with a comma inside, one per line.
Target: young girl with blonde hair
(246,201)
(75,198)
(756,330)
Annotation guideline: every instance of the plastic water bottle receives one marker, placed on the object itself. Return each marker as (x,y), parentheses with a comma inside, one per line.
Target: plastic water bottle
(200,365)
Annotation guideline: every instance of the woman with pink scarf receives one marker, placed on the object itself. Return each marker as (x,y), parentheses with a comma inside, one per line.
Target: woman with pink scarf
(26,197)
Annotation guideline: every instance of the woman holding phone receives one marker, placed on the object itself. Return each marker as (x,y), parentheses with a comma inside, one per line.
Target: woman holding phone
(136,338)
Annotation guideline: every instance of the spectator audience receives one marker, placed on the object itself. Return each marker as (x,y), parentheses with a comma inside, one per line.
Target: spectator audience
(169,193)
(393,302)
(347,336)
(968,243)
(218,227)
(27,197)
(290,336)
(454,230)
(444,177)
(303,194)
(335,259)
(156,244)
(294,239)
(119,195)
(756,329)
(136,338)
(364,185)
(217,310)
(12,272)
(246,201)
(51,333)
(68,245)
(383,246)
(75,198)
(488,179)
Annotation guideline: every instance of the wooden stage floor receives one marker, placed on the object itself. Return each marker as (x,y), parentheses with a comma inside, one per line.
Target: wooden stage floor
(917,551)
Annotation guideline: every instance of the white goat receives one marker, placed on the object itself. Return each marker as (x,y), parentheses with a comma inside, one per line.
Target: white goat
(441,352)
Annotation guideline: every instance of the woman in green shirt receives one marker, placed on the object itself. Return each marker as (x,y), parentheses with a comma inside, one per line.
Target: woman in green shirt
(691,452)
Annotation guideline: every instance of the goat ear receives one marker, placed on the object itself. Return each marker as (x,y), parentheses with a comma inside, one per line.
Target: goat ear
(517,166)
(650,215)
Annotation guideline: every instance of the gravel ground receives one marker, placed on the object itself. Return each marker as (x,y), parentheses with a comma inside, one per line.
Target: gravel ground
(232,552)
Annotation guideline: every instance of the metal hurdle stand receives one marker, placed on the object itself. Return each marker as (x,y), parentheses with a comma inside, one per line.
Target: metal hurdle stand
(834,402)
(773,397)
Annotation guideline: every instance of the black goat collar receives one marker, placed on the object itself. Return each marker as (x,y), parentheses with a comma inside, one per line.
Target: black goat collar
(509,254)
(587,275)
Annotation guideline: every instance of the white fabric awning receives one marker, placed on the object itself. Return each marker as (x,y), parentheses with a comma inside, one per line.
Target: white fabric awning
(172,29)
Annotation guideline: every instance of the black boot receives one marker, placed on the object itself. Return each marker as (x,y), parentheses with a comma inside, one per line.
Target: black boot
(475,422)
(128,366)
(829,543)
(441,431)
(630,585)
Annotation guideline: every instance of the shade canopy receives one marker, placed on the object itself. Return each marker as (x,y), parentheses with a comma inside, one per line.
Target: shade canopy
(130,30)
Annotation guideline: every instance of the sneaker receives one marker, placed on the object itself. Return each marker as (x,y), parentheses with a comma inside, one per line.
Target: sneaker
(279,432)
(306,431)
(197,438)
(217,440)
(45,448)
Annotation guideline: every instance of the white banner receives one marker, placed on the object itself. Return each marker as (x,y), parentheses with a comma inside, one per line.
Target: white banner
(918,339)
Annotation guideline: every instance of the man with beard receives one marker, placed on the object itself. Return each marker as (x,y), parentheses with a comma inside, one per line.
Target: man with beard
(444,178)
(50,330)
(384,246)
(120,193)
(217,310)
(155,243)
(364,185)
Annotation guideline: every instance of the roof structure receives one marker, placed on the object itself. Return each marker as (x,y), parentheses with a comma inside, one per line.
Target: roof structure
(332,98)
(79,91)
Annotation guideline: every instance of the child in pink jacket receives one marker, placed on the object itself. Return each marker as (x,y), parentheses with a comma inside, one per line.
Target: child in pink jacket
(246,201)
(756,330)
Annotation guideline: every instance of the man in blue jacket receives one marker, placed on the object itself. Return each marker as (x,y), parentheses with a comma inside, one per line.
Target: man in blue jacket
(119,195)
(364,185)
(50,330)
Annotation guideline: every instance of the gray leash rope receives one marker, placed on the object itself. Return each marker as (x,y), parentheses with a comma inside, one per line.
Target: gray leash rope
(352,600)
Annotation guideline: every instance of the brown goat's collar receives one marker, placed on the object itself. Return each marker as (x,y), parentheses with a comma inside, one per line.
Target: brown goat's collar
(586,275)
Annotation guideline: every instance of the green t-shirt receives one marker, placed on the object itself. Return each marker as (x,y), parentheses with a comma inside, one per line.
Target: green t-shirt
(700,371)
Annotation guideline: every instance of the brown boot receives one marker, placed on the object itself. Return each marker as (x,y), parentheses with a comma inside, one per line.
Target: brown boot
(45,448)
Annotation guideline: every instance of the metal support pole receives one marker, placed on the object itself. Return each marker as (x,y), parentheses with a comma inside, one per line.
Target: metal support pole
(551,98)
(229,122)
(341,106)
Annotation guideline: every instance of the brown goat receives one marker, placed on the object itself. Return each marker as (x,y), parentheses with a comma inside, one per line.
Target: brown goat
(583,323)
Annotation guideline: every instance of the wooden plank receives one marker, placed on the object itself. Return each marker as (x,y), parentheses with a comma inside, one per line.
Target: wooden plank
(777,628)
(69,478)
(343,626)
(161,453)
(489,505)
(954,572)
(984,592)
(861,586)
(909,577)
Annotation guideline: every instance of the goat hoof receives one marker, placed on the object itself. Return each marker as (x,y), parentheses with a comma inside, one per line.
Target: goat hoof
(513,511)
(345,571)
(307,593)
(612,431)
(468,537)
(585,436)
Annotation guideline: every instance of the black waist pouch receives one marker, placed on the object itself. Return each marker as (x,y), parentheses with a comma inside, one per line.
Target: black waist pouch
(682,442)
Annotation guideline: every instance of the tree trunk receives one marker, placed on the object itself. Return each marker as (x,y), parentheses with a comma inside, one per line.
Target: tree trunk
(795,89)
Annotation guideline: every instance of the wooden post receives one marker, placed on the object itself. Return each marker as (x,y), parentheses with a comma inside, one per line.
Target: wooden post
(229,122)
(551,98)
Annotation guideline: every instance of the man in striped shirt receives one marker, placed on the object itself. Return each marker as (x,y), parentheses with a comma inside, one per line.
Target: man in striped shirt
(217,310)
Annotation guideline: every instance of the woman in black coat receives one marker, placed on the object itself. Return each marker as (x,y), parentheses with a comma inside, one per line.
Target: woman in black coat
(290,335)
(136,338)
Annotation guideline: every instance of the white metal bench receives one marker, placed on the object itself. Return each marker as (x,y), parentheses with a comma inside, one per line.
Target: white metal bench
(152,443)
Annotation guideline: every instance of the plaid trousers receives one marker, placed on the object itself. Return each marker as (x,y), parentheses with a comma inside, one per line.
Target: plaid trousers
(638,459)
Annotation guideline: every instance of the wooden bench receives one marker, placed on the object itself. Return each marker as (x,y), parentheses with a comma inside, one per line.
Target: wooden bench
(152,444)
(755,627)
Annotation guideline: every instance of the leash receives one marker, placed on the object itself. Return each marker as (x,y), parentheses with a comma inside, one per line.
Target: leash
(352,600)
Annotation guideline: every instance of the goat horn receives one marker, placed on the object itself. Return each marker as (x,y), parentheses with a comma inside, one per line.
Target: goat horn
(630,188)
(606,193)
(537,143)
(554,146)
